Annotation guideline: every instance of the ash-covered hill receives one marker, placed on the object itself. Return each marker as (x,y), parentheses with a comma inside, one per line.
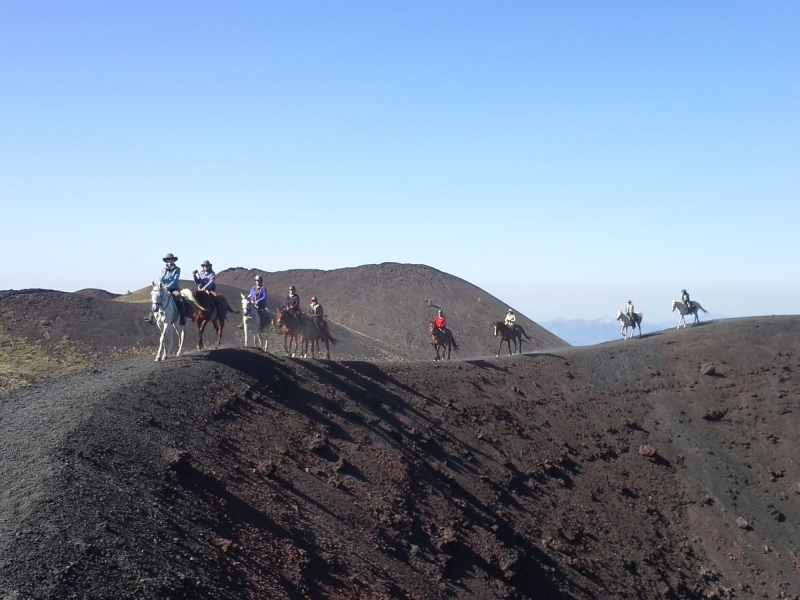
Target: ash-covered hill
(661,467)
(390,306)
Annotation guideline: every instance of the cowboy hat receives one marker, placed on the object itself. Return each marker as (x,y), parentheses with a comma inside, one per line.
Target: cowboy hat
(170,257)
(205,263)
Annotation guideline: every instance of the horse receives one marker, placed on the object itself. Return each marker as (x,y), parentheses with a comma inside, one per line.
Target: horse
(311,334)
(165,312)
(684,310)
(508,334)
(288,325)
(626,322)
(251,319)
(442,339)
(208,312)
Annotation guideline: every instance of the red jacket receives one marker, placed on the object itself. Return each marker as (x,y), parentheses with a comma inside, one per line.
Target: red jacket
(440,322)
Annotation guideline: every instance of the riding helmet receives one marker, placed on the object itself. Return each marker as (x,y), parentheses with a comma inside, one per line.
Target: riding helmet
(259,278)
(313,298)
(291,288)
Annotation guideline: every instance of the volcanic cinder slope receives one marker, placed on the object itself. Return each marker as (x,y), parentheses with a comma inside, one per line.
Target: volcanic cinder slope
(660,467)
(390,306)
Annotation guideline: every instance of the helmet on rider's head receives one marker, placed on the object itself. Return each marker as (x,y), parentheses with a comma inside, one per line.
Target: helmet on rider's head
(291,288)
(313,298)
(259,278)
(630,301)
(683,291)
(205,263)
(440,312)
(511,311)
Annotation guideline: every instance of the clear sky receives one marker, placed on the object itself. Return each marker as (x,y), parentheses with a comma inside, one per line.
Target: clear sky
(565,156)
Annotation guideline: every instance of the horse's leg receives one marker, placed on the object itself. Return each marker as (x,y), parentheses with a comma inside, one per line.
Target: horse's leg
(327,349)
(255,336)
(499,348)
(508,343)
(161,342)
(181,331)
(201,328)
(219,326)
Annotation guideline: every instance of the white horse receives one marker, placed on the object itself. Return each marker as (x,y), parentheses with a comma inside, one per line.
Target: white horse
(252,320)
(684,310)
(166,313)
(628,322)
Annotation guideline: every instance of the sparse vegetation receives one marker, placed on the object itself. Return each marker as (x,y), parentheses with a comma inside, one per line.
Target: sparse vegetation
(23,363)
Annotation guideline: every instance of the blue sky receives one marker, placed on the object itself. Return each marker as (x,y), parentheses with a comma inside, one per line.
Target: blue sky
(565,156)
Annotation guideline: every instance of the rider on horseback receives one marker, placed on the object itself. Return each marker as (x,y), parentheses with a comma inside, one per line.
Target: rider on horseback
(206,282)
(440,322)
(685,300)
(258,298)
(316,313)
(630,312)
(510,319)
(170,277)
(293,303)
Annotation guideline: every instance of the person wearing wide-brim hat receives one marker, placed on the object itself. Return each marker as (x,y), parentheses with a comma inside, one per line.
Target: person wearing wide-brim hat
(171,274)
(206,281)
(170,279)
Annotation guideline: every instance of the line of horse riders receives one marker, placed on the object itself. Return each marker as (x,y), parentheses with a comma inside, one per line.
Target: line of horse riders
(207,306)
(685,306)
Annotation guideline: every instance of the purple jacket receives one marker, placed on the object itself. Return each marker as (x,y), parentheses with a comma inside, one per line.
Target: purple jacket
(259,297)
(205,281)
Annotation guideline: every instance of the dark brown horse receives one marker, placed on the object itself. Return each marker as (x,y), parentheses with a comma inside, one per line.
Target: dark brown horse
(508,334)
(312,332)
(210,313)
(288,325)
(444,340)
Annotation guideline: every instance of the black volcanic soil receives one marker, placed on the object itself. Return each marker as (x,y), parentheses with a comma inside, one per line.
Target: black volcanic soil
(616,471)
(96,326)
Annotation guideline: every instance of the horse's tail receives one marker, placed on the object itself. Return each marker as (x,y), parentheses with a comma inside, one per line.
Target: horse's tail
(697,304)
(330,338)
(224,301)
(523,332)
(453,341)
(187,293)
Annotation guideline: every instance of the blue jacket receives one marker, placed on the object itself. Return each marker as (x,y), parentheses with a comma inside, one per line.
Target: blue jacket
(260,298)
(170,277)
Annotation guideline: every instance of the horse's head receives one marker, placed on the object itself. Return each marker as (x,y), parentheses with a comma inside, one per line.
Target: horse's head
(245,302)
(432,327)
(673,305)
(155,297)
(619,315)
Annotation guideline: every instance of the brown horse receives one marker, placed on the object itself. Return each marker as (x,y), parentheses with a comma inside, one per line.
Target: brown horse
(311,333)
(508,334)
(211,314)
(444,340)
(288,325)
